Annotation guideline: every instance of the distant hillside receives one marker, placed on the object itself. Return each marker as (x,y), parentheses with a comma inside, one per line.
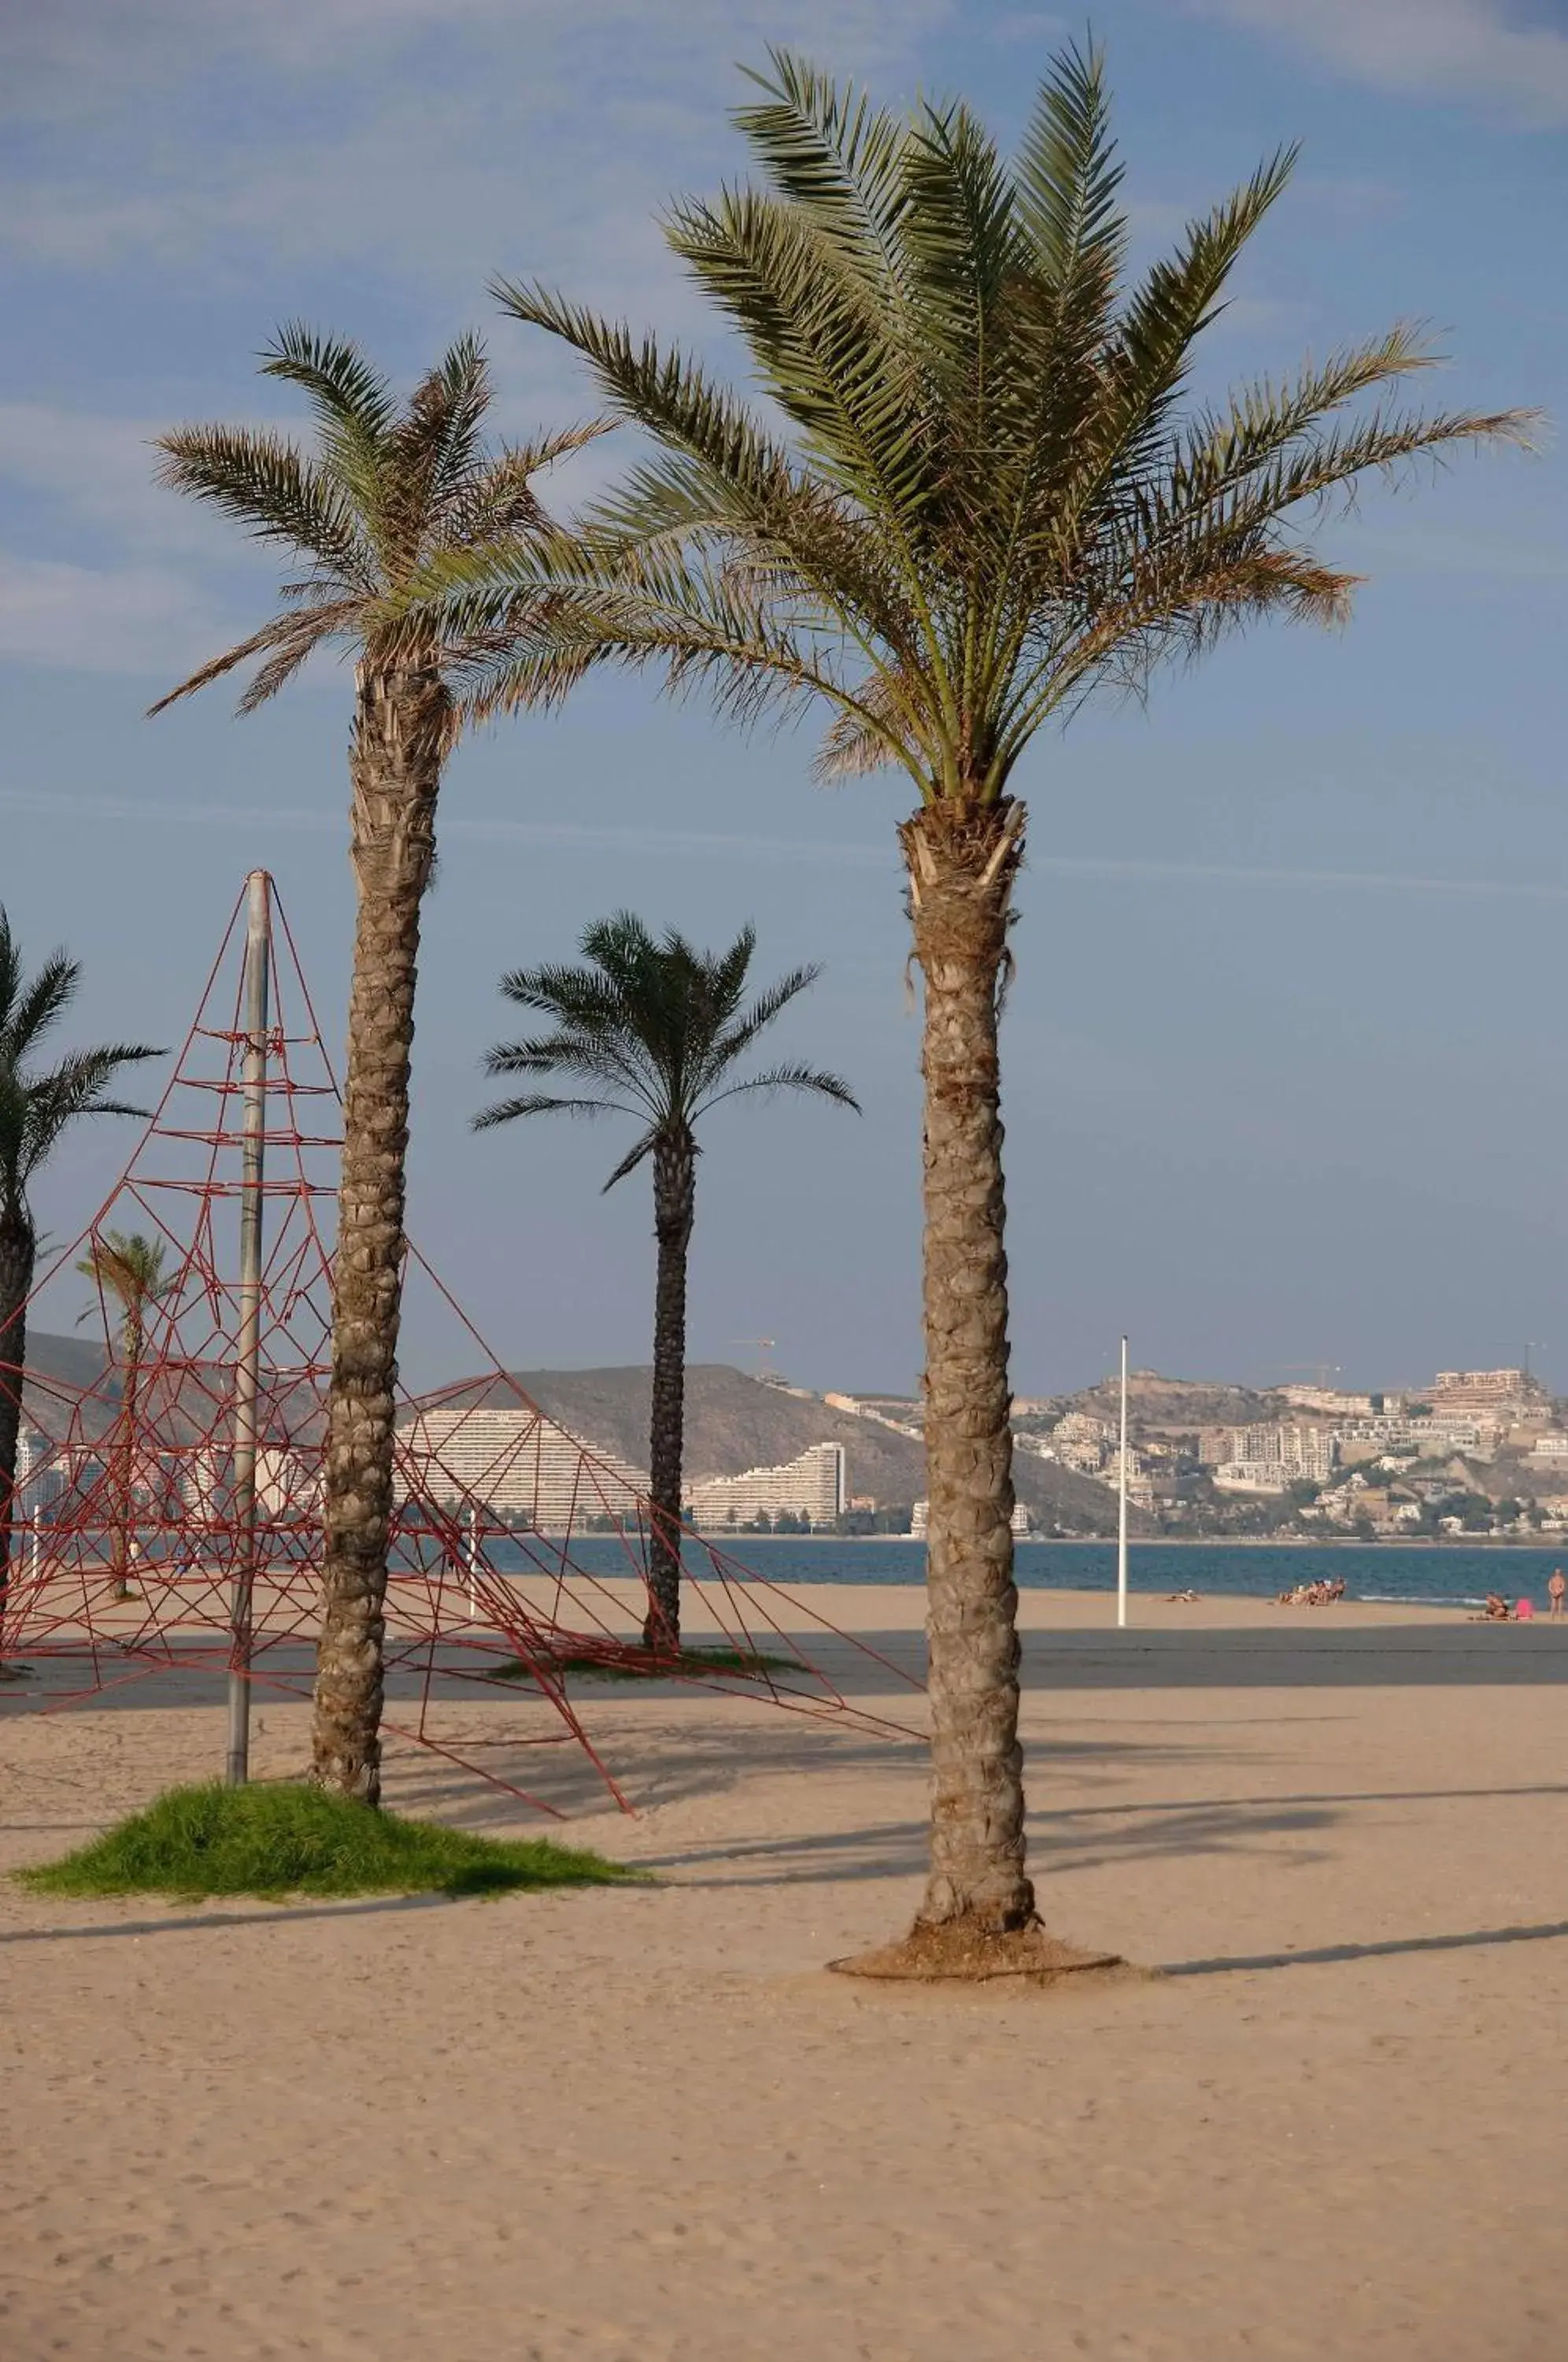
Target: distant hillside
(59,1370)
(734,1422)
(1160,1405)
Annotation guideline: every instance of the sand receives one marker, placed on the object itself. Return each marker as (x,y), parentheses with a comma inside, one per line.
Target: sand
(645,2126)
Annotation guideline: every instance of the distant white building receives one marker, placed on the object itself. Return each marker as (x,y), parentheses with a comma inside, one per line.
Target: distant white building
(812,1486)
(39,1483)
(516,1463)
(1270,1458)
(1082,1442)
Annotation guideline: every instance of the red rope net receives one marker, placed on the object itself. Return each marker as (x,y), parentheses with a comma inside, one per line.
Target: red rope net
(518,1554)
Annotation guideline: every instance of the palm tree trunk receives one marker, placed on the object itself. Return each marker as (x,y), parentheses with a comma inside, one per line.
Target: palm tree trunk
(675,1194)
(399,738)
(962,858)
(18,1247)
(130,1387)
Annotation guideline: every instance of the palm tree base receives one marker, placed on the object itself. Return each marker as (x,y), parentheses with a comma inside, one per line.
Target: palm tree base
(965,1951)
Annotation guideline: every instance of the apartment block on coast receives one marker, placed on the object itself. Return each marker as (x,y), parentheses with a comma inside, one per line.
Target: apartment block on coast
(1268,1459)
(516,1463)
(812,1486)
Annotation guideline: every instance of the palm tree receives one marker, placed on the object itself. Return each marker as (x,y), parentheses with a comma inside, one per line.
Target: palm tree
(130,1267)
(385,490)
(36,1104)
(981,490)
(656,1029)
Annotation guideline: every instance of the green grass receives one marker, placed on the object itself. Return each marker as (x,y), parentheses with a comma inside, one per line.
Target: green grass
(275,1840)
(748,1664)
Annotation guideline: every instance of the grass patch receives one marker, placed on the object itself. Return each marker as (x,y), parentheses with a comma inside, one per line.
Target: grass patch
(276,1841)
(655,1665)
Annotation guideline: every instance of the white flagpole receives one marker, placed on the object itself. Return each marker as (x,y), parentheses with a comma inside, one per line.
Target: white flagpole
(1121,1508)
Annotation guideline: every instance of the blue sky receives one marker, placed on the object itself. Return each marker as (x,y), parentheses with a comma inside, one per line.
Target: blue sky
(1284,1074)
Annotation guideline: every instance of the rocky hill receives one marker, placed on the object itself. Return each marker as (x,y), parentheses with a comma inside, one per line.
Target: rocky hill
(1157,1405)
(734,1422)
(59,1370)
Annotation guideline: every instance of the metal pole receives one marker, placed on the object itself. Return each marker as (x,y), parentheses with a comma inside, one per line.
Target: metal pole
(1121,1508)
(471,1555)
(253,1137)
(38,1539)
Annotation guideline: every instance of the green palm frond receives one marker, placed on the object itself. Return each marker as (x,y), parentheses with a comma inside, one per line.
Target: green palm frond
(265,485)
(36,1106)
(387,490)
(1068,176)
(29,1010)
(354,412)
(841,161)
(793,1078)
(656,1023)
(990,492)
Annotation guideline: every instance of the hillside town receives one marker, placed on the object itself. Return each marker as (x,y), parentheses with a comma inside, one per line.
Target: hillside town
(1474,1453)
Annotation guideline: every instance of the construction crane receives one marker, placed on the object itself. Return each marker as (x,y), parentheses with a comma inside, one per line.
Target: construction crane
(765,1346)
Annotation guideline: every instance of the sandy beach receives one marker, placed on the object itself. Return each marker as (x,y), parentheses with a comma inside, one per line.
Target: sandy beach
(645,2126)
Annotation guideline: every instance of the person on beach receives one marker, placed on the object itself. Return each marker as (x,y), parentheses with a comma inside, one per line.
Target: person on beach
(1555,1588)
(1524,1613)
(1496,1609)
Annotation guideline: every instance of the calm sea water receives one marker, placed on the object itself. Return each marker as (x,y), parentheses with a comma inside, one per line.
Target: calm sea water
(1449,1576)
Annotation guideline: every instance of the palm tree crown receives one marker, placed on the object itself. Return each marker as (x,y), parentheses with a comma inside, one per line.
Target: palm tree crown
(387,490)
(996,492)
(656,1026)
(130,1267)
(37,1103)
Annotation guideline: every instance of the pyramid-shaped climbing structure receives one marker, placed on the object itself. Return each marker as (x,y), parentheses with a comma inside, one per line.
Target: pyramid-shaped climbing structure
(168,1513)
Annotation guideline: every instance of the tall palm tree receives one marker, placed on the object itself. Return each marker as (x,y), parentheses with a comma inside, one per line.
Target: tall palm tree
(385,490)
(655,1030)
(36,1104)
(128,1266)
(981,490)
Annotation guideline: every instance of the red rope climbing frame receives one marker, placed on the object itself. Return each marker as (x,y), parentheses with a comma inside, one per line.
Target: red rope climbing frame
(125,1539)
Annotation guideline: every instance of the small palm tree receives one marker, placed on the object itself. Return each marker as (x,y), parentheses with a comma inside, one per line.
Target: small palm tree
(980,490)
(128,1266)
(387,489)
(657,1029)
(36,1104)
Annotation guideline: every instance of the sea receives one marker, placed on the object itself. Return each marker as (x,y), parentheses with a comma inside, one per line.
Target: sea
(1448,1575)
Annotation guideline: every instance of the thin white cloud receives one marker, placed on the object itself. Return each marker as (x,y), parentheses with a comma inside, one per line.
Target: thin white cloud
(457,135)
(569,836)
(128,619)
(1501,52)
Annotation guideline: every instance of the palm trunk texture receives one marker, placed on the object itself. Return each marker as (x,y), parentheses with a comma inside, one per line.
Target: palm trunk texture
(962,858)
(675,1195)
(17,1250)
(395,769)
(124,1488)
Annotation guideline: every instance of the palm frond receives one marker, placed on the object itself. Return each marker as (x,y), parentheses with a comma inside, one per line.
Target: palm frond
(28,1011)
(1068,174)
(296,631)
(793,1078)
(653,1017)
(841,161)
(267,486)
(355,410)
(542,1103)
